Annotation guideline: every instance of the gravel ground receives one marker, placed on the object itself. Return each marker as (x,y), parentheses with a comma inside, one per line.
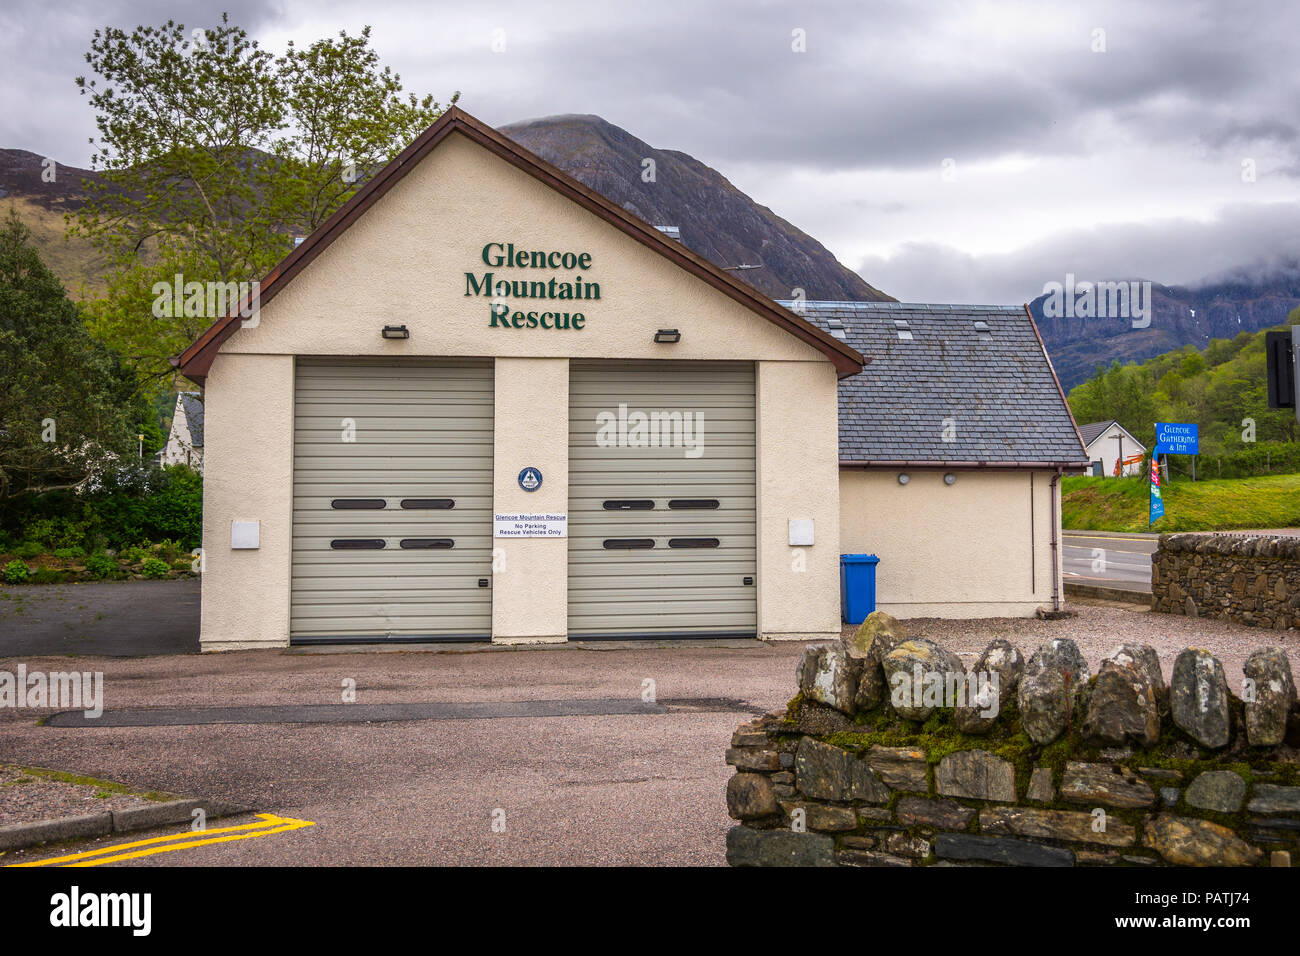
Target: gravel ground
(26,798)
(1101,626)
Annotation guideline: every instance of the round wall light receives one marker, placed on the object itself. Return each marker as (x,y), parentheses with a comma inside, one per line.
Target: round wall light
(904,478)
(949,479)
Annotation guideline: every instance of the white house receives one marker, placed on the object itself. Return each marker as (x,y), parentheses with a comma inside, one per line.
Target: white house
(185,441)
(1106,443)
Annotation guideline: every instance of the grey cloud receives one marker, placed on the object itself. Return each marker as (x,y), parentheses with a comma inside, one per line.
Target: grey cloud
(889,85)
(43,48)
(1243,239)
(878,89)
(1236,132)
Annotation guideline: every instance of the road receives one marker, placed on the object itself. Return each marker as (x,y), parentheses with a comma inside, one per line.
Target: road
(1122,562)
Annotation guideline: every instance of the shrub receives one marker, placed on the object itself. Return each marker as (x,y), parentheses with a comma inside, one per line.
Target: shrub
(124,506)
(154,568)
(69,553)
(57,532)
(151,506)
(100,565)
(134,554)
(16,572)
(168,550)
(48,576)
(29,550)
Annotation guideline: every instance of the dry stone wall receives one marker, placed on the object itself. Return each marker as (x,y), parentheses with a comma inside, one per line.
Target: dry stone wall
(893,754)
(1250,578)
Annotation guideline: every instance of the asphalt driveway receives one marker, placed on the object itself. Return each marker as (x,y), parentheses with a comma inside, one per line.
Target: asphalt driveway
(101,618)
(624,780)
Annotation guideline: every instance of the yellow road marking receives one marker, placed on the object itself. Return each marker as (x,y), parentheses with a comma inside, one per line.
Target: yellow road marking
(270,824)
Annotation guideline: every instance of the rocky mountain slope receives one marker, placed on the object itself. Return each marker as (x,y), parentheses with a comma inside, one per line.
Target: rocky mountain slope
(716,219)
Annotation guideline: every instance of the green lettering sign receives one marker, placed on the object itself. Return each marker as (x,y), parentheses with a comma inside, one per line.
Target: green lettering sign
(493,285)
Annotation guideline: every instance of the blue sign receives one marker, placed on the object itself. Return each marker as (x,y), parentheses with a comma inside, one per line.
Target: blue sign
(1173,438)
(530,479)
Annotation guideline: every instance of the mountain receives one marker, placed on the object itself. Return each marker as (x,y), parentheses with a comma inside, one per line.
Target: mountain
(717,220)
(1181,315)
(42,206)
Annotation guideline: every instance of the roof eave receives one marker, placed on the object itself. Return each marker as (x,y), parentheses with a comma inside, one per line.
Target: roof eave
(920,464)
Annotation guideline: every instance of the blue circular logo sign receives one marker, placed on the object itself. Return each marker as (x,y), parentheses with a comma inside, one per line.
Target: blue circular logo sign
(530,479)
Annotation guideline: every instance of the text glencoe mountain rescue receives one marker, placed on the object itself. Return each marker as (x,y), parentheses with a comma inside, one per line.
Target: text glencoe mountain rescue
(504,256)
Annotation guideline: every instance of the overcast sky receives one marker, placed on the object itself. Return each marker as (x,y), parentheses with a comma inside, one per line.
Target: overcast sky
(958,151)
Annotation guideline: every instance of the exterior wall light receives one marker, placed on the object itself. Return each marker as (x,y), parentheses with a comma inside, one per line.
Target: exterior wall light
(950,479)
(396,332)
(664,336)
(904,477)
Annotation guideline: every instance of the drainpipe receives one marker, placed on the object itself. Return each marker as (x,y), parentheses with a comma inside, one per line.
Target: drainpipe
(1056,545)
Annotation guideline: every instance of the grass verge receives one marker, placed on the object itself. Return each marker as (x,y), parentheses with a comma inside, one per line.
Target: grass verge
(1121,504)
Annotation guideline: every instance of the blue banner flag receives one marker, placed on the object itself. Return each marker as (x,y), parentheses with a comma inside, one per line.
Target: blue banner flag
(1157,502)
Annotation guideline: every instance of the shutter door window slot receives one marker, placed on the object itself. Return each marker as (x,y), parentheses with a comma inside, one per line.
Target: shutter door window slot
(635,544)
(431,504)
(357,544)
(693,542)
(693,504)
(417,544)
(630,504)
(358,504)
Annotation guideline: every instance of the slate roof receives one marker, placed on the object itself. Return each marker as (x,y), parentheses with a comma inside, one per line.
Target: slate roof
(193,405)
(982,366)
(1090,431)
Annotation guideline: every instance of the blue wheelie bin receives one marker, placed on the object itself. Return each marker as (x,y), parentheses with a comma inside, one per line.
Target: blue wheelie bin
(857,586)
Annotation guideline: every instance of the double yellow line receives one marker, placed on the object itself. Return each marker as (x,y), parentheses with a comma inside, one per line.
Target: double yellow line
(187,839)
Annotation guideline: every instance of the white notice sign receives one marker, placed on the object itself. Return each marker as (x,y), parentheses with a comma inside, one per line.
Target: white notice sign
(530,526)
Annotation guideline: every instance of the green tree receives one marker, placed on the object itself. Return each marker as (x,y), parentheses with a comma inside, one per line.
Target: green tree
(68,404)
(214,153)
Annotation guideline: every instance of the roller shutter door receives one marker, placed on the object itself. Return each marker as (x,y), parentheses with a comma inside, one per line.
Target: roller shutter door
(661,539)
(392,531)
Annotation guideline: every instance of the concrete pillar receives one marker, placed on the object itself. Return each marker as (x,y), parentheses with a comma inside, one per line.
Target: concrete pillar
(530,576)
(798,478)
(248,476)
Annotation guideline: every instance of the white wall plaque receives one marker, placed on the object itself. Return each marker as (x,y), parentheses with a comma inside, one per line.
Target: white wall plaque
(245,534)
(530,526)
(801,531)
